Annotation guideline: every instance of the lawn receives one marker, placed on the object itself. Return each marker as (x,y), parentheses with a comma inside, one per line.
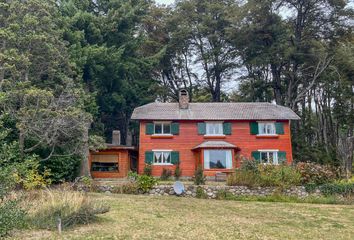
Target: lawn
(146,217)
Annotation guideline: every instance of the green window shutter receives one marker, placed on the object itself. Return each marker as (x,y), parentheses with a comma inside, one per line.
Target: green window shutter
(149,157)
(175,128)
(257,156)
(279,128)
(254,128)
(281,157)
(202,128)
(227,128)
(175,158)
(149,129)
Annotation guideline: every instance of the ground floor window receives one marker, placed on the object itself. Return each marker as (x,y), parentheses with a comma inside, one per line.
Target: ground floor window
(162,157)
(104,167)
(105,163)
(217,159)
(270,157)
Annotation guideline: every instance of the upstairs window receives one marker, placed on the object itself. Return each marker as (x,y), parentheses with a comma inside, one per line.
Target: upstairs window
(214,128)
(266,128)
(162,128)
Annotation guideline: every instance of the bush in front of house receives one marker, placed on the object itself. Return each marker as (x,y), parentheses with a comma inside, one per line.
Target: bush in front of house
(278,175)
(166,174)
(243,178)
(200,193)
(199,178)
(147,170)
(178,172)
(264,175)
(145,182)
(342,188)
(316,173)
(72,207)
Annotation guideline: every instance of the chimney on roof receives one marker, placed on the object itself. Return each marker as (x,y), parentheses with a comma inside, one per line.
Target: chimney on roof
(183,99)
(116,137)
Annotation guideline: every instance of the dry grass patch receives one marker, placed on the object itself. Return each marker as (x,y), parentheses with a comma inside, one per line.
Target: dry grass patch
(146,217)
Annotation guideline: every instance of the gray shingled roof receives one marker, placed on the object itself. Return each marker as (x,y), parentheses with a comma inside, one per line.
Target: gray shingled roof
(215,144)
(214,111)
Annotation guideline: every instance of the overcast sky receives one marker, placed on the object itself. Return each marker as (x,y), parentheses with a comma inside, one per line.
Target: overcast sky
(165,1)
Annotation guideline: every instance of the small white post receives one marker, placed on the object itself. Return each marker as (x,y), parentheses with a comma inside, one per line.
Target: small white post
(59,225)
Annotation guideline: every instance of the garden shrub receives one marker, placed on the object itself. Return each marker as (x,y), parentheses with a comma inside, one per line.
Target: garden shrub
(145,182)
(266,175)
(11,213)
(11,216)
(249,165)
(311,187)
(132,175)
(166,174)
(345,189)
(199,178)
(224,195)
(316,173)
(127,188)
(178,172)
(243,178)
(200,193)
(71,207)
(278,176)
(148,170)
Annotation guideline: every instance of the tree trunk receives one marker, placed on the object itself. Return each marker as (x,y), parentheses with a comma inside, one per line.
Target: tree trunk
(85,169)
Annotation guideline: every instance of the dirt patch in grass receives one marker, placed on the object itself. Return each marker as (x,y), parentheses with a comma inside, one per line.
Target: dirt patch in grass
(146,217)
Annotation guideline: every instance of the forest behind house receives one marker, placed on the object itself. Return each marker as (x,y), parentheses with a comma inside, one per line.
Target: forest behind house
(71,71)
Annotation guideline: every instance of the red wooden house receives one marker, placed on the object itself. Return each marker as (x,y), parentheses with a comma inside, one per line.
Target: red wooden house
(214,135)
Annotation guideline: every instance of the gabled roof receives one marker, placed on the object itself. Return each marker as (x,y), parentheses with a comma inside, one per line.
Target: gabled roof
(215,144)
(214,111)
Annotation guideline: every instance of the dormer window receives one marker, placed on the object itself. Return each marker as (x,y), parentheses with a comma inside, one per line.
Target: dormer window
(214,128)
(162,128)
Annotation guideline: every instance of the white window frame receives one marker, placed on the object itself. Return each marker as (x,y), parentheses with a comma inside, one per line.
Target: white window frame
(260,124)
(162,129)
(161,151)
(214,122)
(275,155)
(220,169)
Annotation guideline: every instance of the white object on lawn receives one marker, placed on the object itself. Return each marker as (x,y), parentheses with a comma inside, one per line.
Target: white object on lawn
(178,187)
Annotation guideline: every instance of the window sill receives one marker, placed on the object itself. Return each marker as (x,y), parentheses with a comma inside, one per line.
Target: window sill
(162,136)
(162,164)
(224,170)
(268,136)
(215,136)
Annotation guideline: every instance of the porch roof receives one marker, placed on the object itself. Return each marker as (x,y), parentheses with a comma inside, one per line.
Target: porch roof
(215,144)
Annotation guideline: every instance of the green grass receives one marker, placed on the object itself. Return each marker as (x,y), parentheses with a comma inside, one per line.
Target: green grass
(147,217)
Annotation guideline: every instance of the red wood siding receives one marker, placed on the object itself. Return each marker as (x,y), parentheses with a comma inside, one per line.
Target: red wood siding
(123,163)
(188,138)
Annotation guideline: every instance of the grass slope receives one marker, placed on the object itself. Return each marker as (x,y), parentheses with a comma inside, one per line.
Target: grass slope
(145,217)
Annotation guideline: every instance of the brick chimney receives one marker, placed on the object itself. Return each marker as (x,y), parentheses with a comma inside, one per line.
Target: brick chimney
(116,137)
(183,99)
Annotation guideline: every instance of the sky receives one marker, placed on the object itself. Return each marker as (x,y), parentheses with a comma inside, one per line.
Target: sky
(165,1)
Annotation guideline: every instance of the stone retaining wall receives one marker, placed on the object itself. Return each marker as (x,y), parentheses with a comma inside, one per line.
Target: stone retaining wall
(211,191)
